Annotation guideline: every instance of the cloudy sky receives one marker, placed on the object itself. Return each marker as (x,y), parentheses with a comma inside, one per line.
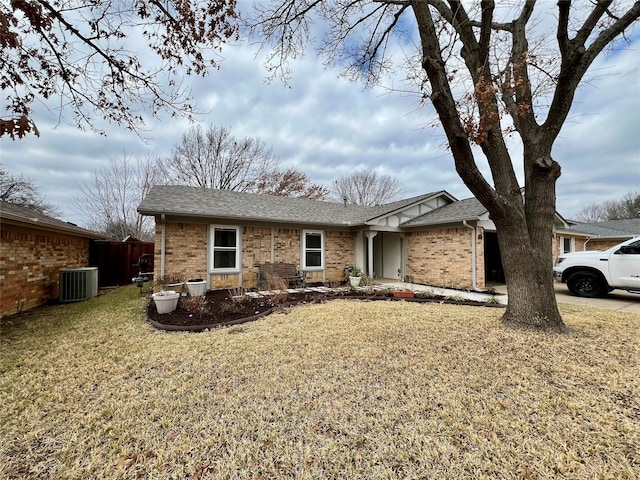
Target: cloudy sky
(327,127)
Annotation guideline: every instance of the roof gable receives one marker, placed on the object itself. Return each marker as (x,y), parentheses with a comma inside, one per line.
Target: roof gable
(463,210)
(398,213)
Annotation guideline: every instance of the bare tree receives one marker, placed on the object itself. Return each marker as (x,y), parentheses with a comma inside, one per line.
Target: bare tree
(110,201)
(80,51)
(216,159)
(366,187)
(291,183)
(593,213)
(488,71)
(627,207)
(24,192)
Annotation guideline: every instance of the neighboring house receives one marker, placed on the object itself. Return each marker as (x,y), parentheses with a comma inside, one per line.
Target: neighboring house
(581,236)
(33,249)
(223,236)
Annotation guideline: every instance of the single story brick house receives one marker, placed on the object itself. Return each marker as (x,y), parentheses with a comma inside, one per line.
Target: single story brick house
(223,236)
(33,249)
(582,236)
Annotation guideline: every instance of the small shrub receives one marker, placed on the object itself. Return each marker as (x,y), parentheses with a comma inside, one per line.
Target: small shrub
(366,281)
(195,305)
(456,298)
(236,293)
(230,307)
(277,285)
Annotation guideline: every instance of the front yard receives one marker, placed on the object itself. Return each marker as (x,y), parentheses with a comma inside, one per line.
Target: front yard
(346,389)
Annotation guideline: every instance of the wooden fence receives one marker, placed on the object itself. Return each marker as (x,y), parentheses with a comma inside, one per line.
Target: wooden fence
(117,262)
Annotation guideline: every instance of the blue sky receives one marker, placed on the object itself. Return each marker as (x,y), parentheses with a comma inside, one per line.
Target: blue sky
(327,127)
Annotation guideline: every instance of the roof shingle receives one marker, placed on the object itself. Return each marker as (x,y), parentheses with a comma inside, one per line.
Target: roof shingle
(27,216)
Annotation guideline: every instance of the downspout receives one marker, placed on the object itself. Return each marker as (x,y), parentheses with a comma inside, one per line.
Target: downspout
(584,245)
(474,283)
(273,245)
(162,245)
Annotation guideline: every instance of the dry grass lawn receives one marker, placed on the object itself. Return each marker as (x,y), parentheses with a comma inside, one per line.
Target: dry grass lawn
(344,390)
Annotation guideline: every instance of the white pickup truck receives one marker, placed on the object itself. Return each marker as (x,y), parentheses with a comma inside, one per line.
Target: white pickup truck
(595,273)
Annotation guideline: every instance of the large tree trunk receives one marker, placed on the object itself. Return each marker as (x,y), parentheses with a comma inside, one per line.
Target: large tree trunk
(525,234)
(532,301)
(524,227)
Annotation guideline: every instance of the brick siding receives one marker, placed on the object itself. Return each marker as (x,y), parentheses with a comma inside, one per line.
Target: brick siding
(603,244)
(443,257)
(339,253)
(579,243)
(186,253)
(30,263)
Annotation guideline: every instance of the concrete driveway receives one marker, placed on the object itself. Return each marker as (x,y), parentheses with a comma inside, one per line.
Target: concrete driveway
(618,300)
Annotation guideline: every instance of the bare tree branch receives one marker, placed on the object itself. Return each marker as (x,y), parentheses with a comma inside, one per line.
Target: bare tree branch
(80,52)
(25,193)
(366,187)
(110,200)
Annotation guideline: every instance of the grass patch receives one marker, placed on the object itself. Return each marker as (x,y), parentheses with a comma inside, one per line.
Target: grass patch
(346,389)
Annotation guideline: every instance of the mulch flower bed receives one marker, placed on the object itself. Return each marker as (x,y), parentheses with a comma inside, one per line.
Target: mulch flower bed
(221,308)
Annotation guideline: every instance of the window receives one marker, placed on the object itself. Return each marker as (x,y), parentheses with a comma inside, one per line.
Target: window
(566,245)
(312,250)
(225,249)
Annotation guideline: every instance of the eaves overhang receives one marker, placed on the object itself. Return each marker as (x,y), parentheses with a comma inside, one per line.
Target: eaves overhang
(207,218)
(8,218)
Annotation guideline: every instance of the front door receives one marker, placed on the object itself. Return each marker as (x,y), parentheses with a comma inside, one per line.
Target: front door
(387,255)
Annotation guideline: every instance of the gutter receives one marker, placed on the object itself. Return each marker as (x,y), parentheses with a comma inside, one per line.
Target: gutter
(260,220)
(41,223)
(474,283)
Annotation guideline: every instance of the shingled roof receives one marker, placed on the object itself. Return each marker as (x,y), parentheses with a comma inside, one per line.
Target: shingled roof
(466,209)
(15,214)
(611,228)
(212,203)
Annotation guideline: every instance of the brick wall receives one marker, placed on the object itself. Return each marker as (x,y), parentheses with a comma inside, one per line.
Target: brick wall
(593,244)
(30,263)
(256,249)
(256,246)
(339,253)
(186,253)
(602,244)
(443,257)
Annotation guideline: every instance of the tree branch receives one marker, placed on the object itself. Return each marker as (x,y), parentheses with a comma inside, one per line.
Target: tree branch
(576,59)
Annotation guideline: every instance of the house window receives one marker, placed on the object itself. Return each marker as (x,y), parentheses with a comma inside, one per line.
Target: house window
(225,249)
(312,250)
(566,245)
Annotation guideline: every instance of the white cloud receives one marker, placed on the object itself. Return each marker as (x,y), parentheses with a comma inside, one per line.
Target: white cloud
(327,127)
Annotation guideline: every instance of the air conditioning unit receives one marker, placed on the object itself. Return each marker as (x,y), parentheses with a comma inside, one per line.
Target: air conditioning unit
(78,284)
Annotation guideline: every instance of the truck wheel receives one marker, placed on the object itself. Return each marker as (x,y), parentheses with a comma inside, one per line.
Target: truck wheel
(586,284)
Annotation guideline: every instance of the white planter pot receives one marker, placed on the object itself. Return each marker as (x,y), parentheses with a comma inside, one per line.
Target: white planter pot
(166,301)
(354,281)
(197,288)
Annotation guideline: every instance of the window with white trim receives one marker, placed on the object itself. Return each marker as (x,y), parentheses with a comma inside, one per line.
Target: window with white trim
(225,249)
(312,250)
(566,245)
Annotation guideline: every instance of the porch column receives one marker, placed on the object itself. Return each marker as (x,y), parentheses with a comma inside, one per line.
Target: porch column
(370,236)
